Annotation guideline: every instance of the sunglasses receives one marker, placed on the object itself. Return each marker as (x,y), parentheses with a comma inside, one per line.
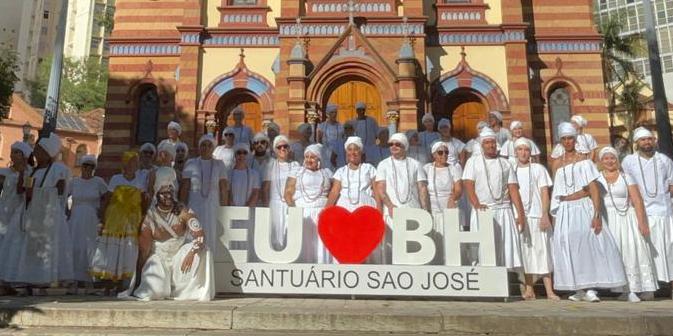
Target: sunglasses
(148,152)
(441,152)
(395,144)
(241,153)
(88,165)
(279,147)
(229,135)
(260,142)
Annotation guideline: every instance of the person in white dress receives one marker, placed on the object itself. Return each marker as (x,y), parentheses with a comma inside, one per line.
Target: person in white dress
(204,187)
(12,207)
(308,187)
(46,254)
(273,189)
(495,120)
(586,144)
(428,136)
(626,218)
(400,183)
(87,193)
(297,148)
(509,152)
(165,156)
(174,130)
(473,146)
(148,153)
(444,190)
(330,132)
(242,133)
(225,152)
(181,155)
(456,146)
(416,151)
(245,181)
(379,152)
(653,172)
(175,262)
(116,255)
(259,158)
(353,183)
(366,127)
(585,253)
(490,183)
(534,187)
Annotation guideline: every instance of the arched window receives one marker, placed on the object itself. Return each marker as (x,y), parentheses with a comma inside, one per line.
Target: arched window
(79,152)
(559,108)
(148,115)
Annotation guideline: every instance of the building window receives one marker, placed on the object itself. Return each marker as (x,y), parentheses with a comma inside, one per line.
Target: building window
(148,115)
(79,153)
(243,2)
(45,15)
(559,108)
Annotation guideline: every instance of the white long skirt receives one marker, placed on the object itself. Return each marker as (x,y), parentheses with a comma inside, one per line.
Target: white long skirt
(661,238)
(10,248)
(83,229)
(314,251)
(635,252)
(507,245)
(114,258)
(278,210)
(583,259)
(206,211)
(46,252)
(162,278)
(536,249)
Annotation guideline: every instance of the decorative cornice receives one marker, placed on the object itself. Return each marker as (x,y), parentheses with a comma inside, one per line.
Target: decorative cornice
(487,38)
(336,29)
(144,50)
(565,46)
(234,40)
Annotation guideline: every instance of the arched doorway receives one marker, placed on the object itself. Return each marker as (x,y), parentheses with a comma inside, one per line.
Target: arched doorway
(465,108)
(348,92)
(252,111)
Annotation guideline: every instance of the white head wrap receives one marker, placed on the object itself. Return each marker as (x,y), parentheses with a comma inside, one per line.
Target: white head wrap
(607,150)
(401,138)
(428,117)
(331,108)
(228,130)
(486,133)
(579,120)
(280,139)
(522,142)
(360,106)
(641,132)
(90,159)
(148,147)
(303,128)
(437,145)
(207,137)
(52,144)
(259,136)
(183,146)
(175,126)
(354,140)
(314,149)
(237,110)
(566,129)
(515,124)
(23,147)
(272,125)
(410,133)
(241,146)
(496,114)
(166,146)
(165,177)
(444,122)
(481,125)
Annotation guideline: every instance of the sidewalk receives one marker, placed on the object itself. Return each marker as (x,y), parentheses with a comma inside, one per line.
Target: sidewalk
(292,315)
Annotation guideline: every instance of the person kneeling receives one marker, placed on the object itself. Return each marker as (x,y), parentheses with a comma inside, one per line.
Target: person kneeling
(175,261)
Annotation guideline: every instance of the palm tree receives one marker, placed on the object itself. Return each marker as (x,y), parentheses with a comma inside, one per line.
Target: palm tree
(631,99)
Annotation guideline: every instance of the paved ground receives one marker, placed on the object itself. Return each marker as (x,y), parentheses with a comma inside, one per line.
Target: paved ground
(311,316)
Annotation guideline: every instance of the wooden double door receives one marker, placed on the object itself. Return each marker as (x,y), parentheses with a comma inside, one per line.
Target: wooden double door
(350,93)
(465,109)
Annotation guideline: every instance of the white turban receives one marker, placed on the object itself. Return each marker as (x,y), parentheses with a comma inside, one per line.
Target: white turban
(314,149)
(515,124)
(410,133)
(437,145)
(360,106)
(303,128)
(522,142)
(166,146)
(207,137)
(272,125)
(241,146)
(175,126)
(23,147)
(237,110)
(607,150)
(260,137)
(354,140)
(641,132)
(148,147)
(90,159)
(165,177)
(52,144)
(496,114)
(332,108)
(486,133)
(566,129)
(481,125)
(183,146)
(280,139)
(444,122)
(401,138)
(428,117)
(579,120)
(228,130)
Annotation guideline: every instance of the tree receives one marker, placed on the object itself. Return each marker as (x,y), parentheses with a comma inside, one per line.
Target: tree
(83,85)
(631,99)
(8,69)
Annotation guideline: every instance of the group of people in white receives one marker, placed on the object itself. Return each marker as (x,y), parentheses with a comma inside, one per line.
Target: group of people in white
(150,230)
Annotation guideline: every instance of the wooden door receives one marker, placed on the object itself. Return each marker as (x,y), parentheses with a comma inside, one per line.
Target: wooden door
(465,118)
(348,94)
(252,116)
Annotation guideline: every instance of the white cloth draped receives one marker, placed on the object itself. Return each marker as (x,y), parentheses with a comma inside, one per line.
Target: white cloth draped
(276,175)
(440,189)
(12,235)
(86,195)
(312,188)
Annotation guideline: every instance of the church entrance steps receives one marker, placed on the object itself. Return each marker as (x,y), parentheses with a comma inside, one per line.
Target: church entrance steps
(308,316)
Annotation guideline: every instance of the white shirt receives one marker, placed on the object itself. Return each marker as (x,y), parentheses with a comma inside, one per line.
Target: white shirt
(243,182)
(355,183)
(366,129)
(584,144)
(224,154)
(509,151)
(534,176)
(619,190)
(242,134)
(401,177)
(440,184)
(491,178)
(312,187)
(276,174)
(259,163)
(653,186)
(331,132)
(503,135)
(570,179)
(427,138)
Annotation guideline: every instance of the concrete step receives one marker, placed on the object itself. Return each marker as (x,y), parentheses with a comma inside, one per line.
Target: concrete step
(313,315)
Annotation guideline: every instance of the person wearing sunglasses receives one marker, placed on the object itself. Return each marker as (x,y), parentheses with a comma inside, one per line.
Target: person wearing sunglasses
(400,183)
(273,188)
(365,126)
(453,143)
(87,193)
(260,153)
(166,155)
(354,182)
(444,189)
(243,134)
(244,181)
(225,152)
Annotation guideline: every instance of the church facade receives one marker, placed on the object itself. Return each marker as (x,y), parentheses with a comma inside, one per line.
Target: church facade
(194,61)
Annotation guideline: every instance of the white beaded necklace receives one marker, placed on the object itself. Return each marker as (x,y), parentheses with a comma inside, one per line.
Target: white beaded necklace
(302,187)
(656,177)
(625,210)
(395,181)
(503,180)
(348,188)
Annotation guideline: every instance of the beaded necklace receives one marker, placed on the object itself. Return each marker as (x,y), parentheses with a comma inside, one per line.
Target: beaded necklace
(348,188)
(396,180)
(570,186)
(302,187)
(530,185)
(623,211)
(503,180)
(434,183)
(656,177)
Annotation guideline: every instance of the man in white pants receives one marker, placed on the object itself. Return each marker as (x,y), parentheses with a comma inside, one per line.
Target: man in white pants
(654,173)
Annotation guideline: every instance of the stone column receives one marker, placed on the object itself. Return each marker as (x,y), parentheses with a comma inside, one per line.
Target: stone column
(296,82)
(407,97)
(393,118)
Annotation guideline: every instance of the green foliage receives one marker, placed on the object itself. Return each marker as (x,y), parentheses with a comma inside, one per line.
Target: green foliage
(83,85)
(8,68)
(631,99)
(617,50)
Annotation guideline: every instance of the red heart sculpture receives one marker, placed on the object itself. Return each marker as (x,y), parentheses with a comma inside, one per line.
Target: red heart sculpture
(351,237)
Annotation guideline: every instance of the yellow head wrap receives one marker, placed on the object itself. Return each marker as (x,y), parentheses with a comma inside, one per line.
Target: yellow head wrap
(128,155)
